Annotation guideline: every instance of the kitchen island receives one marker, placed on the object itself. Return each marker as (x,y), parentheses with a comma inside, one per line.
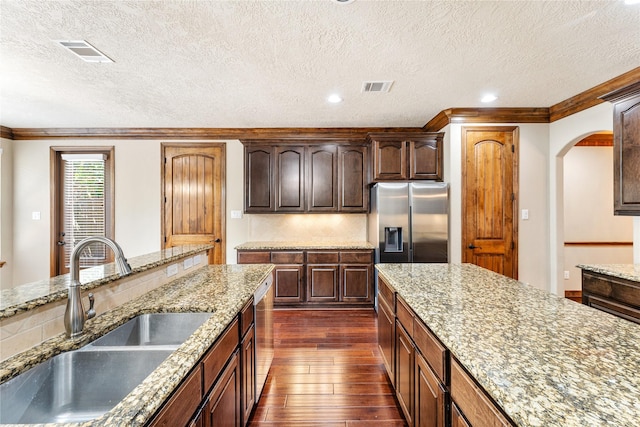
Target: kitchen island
(220,289)
(613,288)
(541,359)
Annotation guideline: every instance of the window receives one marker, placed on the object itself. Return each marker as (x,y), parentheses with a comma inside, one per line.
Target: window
(83,205)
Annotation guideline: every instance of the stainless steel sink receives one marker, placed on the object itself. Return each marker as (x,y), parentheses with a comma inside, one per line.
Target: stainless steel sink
(75,386)
(83,384)
(156,329)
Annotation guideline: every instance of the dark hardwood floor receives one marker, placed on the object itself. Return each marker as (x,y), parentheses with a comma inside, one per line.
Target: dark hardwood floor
(327,371)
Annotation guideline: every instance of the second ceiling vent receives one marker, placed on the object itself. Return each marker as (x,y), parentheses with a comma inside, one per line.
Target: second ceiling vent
(377,86)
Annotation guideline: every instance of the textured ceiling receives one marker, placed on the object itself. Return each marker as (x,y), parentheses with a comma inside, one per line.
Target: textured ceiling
(273,63)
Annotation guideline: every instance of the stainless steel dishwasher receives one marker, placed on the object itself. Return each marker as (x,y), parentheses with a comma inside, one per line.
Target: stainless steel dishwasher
(263,301)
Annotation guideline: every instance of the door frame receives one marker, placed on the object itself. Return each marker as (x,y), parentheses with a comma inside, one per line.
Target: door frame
(55,191)
(515,131)
(223,190)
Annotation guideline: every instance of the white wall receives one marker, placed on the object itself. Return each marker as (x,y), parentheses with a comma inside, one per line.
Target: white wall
(6,211)
(532,233)
(137,200)
(588,213)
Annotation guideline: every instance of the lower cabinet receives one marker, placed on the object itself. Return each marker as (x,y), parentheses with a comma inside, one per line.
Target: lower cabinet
(387,337)
(457,419)
(221,389)
(405,359)
(612,295)
(430,396)
(318,277)
(222,408)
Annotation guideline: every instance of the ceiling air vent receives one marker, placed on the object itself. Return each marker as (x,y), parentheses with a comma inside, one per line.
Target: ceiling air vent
(84,50)
(379,86)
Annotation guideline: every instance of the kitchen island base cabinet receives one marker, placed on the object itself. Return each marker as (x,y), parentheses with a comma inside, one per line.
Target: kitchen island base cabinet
(223,405)
(612,295)
(430,397)
(405,359)
(472,401)
(178,411)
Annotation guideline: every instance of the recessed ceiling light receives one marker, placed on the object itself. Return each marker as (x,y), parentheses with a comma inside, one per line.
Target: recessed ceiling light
(343,1)
(334,98)
(488,98)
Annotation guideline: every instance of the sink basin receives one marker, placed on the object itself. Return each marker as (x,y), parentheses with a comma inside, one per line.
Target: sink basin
(156,329)
(76,386)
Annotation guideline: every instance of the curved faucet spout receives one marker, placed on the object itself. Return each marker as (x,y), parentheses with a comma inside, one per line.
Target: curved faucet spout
(74,316)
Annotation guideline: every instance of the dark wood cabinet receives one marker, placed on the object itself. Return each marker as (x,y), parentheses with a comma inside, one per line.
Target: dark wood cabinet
(318,278)
(290,179)
(457,419)
(248,361)
(306,177)
(353,194)
(613,295)
(322,164)
(180,408)
(386,337)
(407,156)
(259,175)
(626,149)
(223,404)
(405,360)
(430,396)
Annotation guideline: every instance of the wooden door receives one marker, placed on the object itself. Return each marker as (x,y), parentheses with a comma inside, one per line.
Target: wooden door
(193,187)
(489,194)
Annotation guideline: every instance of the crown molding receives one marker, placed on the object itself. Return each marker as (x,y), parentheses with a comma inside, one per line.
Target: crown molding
(342,134)
(6,132)
(487,115)
(594,96)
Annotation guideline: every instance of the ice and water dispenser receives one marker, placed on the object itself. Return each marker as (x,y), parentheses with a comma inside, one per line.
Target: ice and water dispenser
(393,239)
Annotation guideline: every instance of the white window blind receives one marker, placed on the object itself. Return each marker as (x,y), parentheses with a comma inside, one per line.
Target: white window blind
(84,205)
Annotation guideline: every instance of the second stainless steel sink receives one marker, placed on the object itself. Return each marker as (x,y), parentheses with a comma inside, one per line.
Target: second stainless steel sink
(156,329)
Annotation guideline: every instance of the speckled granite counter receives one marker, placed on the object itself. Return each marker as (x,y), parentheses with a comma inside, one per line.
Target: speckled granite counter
(546,360)
(32,295)
(270,246)
(221,289)
(622,271)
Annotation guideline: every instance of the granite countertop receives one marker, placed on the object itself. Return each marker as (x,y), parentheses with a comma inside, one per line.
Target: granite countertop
(621,271)
(220,289)
(31,295)
(546,360)
(303,245)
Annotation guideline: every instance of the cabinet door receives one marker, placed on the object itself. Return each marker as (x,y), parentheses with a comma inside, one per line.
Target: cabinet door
(425,158)
(387,337)
(248,364)
(389,159)
(430,397)
(223,406)
(182,405)
(289,180)
(405,354)
(356,283)
(322,195)
(288,284)
(457,419)
(353,194)
(322,283)
(258,182)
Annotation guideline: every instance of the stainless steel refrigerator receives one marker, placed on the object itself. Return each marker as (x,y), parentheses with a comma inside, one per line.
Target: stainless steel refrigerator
(409,221)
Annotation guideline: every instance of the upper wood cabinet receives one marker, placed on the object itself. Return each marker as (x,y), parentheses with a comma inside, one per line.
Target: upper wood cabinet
(305,177)
(407,156)
(626,149)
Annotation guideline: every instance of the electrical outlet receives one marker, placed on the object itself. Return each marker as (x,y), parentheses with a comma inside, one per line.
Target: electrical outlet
(197,259)
(188,263)
(566,275)
(236,214)
(172,270)
(35,216)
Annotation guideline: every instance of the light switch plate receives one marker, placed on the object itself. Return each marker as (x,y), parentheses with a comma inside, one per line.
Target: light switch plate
(525,214)
(188,263)
(236,214)
(35,216)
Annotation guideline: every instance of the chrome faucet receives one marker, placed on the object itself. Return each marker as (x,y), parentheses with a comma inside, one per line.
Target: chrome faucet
(74,315)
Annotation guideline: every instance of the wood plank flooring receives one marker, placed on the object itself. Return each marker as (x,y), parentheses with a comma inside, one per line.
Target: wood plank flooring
(326,371)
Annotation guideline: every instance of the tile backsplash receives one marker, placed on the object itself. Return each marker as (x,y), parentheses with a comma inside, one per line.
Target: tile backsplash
(308,227)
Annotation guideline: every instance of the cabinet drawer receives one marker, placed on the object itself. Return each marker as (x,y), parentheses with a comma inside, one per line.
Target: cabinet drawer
(254,257)
(617,289)
(362,257)
(217,357)
(435,353)
(287,257)
(385,292)
(476,406)
(183,403)
(322,257)
(611,307)
(246,317)
(405,315)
